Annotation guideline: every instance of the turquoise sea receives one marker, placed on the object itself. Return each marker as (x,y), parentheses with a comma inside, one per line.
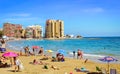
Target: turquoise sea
(93,47)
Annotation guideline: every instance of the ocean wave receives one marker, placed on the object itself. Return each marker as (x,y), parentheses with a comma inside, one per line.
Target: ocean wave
(88,55)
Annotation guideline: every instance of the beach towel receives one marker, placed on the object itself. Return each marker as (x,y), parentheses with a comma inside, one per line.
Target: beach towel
(81,70)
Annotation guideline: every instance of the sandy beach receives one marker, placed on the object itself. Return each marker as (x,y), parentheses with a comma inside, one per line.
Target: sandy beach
(66,67)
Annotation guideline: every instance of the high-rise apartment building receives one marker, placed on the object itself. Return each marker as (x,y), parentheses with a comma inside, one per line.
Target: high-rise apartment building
(12,30)
(54,29)
(34,31)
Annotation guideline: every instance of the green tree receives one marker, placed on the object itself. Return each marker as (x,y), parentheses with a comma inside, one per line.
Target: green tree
(15,32)
(1,33)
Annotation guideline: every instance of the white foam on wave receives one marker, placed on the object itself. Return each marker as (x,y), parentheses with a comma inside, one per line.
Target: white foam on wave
(89,55)
(93,55)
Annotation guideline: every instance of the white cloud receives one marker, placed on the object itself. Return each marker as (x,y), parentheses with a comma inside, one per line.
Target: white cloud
(25,19)
(20,19)
(96,10)
(19,14)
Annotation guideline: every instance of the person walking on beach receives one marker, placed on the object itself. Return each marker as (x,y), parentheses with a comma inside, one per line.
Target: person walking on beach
(73,54)
(17,63)
(79,54)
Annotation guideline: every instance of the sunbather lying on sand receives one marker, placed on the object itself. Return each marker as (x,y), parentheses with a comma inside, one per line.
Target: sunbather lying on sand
(54,67)
(39,62)
(45,57)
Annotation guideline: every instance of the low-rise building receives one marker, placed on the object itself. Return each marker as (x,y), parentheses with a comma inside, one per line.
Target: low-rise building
(12,30)
(34,31)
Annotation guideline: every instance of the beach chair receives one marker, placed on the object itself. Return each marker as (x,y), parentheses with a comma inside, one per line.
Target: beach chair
(113,71)
(104,71)
(98,69)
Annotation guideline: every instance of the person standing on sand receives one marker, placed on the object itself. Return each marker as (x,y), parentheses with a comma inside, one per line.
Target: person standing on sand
(17,63)
(73,54)
(79,55)
(3,43)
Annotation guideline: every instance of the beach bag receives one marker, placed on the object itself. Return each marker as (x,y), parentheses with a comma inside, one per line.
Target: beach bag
(45,67)
(21,66)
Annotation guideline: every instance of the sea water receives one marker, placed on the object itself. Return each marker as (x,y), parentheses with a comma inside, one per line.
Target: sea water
(93,47)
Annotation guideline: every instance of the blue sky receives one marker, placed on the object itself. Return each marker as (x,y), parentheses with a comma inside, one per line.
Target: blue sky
(84,17)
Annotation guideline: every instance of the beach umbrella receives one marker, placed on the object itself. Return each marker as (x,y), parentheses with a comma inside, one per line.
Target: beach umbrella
(35,47)
(108,59)
(49,51)
(61,51)
(9,54)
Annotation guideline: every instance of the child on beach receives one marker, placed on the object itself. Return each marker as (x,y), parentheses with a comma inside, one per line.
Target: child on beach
(73,54)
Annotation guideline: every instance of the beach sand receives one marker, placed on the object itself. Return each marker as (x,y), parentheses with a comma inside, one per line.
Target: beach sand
(64,67)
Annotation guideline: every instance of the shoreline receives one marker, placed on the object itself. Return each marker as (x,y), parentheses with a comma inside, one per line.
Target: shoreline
(92,57)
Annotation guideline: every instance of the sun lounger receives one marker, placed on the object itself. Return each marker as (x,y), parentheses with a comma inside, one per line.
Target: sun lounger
(113,71)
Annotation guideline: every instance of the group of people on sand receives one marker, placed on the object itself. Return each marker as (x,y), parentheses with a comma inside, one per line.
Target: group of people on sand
(3,62)
(14,61)
(34,51)
(36,62)
(79,54)
(59,58)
